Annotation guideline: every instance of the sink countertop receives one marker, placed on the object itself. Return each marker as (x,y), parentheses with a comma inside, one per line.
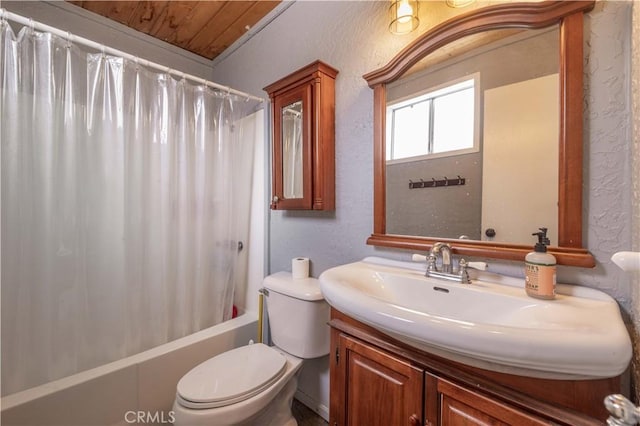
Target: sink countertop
(490,323)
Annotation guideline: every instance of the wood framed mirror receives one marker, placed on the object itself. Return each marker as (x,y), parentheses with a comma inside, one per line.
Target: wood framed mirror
(567,17)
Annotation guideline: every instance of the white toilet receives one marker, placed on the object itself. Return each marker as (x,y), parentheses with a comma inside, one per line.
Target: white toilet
(255,384)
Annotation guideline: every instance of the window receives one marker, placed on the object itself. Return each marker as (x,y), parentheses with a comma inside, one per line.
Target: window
(438,123)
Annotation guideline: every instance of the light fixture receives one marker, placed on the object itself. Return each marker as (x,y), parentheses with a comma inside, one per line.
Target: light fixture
(459,3)
(404,16)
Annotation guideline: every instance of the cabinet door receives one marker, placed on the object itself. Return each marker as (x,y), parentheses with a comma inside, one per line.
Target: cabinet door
(377,388)
(463,407)
(292,149)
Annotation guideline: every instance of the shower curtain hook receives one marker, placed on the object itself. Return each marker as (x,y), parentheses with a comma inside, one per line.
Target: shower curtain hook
(3,17)
(32,25)
(69,39)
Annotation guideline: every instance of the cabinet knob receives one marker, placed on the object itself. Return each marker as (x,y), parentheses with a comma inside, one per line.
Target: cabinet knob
(414,420)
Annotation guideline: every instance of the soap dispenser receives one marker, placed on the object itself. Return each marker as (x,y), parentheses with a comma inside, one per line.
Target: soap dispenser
(540,269)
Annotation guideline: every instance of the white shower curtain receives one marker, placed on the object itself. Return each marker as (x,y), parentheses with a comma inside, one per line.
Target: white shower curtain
(119,191)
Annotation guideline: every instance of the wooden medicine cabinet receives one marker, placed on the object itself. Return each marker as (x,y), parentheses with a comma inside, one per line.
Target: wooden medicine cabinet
(303,111)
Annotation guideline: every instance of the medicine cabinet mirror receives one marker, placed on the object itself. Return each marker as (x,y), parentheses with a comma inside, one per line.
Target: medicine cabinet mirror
(303,111)
(486,173)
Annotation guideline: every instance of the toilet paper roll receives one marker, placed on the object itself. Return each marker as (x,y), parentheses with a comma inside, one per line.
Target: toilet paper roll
(300,267)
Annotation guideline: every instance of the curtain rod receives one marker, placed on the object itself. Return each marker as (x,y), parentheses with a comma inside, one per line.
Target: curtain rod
(4,14)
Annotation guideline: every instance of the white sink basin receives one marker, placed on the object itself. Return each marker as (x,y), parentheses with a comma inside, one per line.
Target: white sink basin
(490,324)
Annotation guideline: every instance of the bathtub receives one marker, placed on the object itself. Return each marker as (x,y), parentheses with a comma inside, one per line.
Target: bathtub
(139,389)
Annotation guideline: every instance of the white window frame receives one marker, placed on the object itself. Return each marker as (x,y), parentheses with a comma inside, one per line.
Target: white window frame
(434,92)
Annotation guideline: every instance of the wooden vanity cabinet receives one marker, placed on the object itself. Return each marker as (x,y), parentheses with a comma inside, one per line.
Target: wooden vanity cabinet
(377,387)
(462,406)
(377,380)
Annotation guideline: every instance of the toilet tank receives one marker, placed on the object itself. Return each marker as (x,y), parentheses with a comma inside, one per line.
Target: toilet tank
(298,315)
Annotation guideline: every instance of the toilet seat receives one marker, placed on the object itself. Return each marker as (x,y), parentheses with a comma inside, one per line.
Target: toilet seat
(231,377)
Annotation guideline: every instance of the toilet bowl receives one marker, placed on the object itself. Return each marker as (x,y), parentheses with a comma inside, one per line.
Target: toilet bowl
(235,388)
(255,384)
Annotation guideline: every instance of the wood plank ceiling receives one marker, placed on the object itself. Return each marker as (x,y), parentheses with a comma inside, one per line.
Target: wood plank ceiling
(205,28)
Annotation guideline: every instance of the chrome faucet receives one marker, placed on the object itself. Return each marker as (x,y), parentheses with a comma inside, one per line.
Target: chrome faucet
(446,270)
(623,412)
(444,249)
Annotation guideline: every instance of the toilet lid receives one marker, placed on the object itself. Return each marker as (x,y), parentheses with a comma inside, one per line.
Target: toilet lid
(231,377)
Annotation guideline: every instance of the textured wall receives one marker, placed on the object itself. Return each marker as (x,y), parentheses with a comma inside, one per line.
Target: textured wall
(353,37)
(635,150)
(607,166)
(635,154)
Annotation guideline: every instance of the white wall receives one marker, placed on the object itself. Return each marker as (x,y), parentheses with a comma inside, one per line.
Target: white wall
(353,37)
(520,180)
(607,149)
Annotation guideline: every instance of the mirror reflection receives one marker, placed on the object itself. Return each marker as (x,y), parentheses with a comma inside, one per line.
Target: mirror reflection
(472,140)
(292,150)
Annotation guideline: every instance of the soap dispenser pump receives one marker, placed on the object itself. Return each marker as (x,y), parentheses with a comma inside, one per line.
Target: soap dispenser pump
(540,269)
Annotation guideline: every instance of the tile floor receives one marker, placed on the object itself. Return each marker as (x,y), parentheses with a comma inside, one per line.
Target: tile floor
(305,416)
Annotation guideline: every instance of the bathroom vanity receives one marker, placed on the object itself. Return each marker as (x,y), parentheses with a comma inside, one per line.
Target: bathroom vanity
(420,350)
(413,349)
(377,380)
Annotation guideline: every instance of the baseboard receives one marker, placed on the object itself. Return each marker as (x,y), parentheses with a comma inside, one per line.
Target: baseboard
(317,407)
